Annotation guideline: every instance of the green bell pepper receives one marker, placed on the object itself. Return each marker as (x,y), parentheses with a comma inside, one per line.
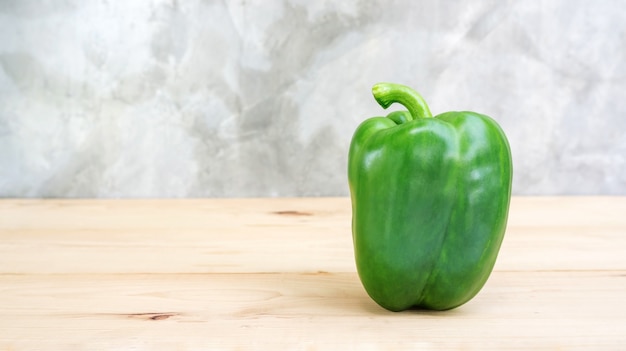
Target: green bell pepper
(430,200)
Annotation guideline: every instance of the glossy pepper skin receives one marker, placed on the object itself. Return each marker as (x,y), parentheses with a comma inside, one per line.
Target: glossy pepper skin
(430,199)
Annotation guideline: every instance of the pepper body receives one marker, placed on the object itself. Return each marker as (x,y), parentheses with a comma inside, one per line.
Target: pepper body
(430,199)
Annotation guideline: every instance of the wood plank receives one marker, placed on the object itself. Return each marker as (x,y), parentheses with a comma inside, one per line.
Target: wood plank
(275,235)
(170,236)
(515,310)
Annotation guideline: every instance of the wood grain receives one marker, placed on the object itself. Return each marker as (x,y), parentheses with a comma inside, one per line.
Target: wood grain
(230,274)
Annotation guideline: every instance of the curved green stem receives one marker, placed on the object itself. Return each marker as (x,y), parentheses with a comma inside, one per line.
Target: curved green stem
(388,93)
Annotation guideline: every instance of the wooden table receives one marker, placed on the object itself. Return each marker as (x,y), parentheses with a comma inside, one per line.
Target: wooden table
(274,274)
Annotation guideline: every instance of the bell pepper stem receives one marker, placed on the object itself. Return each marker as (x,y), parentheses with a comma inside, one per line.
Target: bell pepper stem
(389,93)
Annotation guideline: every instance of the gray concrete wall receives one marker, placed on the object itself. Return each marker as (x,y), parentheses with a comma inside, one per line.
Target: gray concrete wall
(260,98)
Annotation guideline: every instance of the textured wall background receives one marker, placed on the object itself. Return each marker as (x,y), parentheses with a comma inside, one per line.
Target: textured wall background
(260,98)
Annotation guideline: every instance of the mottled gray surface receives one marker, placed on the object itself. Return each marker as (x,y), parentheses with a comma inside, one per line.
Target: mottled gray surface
(260,98)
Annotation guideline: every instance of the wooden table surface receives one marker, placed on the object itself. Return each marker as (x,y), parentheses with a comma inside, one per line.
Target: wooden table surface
(275,274)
